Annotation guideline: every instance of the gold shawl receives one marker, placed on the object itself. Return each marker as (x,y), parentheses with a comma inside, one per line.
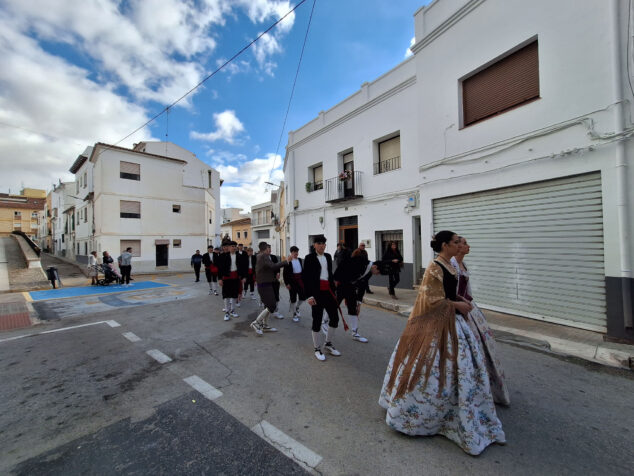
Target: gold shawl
(429,328)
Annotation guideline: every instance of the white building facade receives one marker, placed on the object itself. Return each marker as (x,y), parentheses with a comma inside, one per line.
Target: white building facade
(513,122)
(157,198)
(265,223)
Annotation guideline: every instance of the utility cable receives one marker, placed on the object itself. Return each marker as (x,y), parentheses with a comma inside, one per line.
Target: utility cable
(290,99)
(209,76)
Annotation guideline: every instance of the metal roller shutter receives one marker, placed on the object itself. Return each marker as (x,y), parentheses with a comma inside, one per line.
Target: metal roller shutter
(536,249)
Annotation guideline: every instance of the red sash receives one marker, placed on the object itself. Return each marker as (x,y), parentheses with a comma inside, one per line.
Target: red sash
(250,270)
(232,275)
(324,285)
(298,279)
(213,269)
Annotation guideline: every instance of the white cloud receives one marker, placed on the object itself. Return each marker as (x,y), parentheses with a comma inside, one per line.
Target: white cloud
(244,182)
(228,126)
(408,51)
(50,111)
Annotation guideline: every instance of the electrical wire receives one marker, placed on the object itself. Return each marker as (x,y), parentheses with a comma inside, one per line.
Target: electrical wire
(290,99)
(209,76)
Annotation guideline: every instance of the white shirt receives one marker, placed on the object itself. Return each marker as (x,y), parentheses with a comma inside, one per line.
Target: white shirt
(297,267)
(234,267)
(324,267)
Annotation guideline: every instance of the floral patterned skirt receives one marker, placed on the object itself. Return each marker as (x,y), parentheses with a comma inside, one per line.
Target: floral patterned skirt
(464,412)
(483,334)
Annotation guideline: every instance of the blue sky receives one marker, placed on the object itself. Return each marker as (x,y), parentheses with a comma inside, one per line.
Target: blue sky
(76,73)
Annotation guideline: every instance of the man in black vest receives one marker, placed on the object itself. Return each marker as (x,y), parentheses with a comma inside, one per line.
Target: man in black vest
(319,286)
(292,274)
(210,261)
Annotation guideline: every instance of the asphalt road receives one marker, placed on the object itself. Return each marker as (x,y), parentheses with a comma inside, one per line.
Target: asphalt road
(88,400)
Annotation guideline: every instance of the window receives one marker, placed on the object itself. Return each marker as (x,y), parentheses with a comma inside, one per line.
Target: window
(176,208)
(85,179)
(85,247)
(129,170)
(134,244)
(318,177)
(503,85)
(17,215)
(261,234)
(34,215)
(77,186)
(385,237)
(130,209)
(176,243)
(86,215)
(389,156)
(238,234)
(245,235)
(209,178)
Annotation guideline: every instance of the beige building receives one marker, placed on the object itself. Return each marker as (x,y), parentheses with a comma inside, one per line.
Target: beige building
(238,230)
(21,212)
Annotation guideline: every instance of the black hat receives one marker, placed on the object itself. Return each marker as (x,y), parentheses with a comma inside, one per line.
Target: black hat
(232,243)
(319,239)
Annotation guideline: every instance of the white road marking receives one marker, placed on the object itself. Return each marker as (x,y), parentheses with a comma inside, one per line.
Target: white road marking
(113,323)
(159,356)
(287,445)
(131,336)
(59,330)
(203,387)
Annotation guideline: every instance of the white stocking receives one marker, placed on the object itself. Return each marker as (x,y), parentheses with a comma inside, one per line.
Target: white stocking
(353,321)
(262,317)
(317,340)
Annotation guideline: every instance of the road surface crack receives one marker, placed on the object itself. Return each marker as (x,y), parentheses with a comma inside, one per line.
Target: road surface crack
(229,369)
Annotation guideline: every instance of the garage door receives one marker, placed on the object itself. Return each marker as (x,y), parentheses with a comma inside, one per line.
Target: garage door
(536,249)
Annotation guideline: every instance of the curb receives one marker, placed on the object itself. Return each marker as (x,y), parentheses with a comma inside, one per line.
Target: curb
(612,355)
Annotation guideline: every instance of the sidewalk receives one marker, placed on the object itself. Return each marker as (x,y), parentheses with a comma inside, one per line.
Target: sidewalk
(559,339)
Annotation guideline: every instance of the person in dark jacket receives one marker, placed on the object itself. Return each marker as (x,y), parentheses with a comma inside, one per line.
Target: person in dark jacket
(249,285)
(266,274)
(364,254)
(393,255)
(231,271)
(210,262)
(196,262)
(319,285)
(276,287)
(292,275)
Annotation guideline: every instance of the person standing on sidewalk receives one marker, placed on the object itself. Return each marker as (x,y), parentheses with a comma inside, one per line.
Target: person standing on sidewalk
(319,285)
(393,255)
(196,262)
(364,254)
(92,266)
(266,273)
(125,265)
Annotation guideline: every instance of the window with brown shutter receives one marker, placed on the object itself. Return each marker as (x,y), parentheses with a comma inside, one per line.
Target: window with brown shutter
(130,209)
(507,83)
(129,170)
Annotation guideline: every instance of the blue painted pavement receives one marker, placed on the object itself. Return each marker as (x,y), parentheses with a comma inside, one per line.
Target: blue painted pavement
(92,290)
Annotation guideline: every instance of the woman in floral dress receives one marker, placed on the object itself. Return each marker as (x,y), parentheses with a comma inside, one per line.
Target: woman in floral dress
(480,328)
(436,381)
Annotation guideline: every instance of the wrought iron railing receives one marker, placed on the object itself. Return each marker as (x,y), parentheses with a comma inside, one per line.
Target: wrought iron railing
(387,165)
(337,189)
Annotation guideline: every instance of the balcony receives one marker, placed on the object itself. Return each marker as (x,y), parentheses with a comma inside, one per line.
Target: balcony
(387,165)
(338,190)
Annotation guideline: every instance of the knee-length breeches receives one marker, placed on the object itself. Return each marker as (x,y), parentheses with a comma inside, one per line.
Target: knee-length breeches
(267,296)
(325,300)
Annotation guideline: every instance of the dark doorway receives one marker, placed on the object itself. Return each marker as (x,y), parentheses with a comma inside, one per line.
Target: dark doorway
(348,185)
(349,232)
(161,255)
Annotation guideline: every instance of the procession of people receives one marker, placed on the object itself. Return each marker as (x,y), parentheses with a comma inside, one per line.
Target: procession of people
(443,377)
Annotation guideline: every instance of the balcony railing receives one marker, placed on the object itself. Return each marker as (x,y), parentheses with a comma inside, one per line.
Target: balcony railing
(338,190)
(387,165)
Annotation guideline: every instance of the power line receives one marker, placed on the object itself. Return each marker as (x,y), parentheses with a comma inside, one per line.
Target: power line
(204,80)
(290,99)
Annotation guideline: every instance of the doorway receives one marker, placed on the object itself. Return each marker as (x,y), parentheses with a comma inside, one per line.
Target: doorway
(349,232)
(348,185)
(161,255)
(417,247)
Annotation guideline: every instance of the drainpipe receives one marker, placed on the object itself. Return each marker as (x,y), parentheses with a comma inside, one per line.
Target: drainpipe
(621,169)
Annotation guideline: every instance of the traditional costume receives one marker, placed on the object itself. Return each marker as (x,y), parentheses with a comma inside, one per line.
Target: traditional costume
(436,381)
(249,284)
(210,260)
(319,285)
(231,272)
(292,274)
(482,332)
(352,275)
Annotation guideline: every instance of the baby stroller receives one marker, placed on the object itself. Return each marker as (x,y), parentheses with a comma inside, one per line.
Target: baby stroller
(109,276)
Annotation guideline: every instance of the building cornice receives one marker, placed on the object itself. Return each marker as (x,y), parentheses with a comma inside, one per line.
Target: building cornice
(346,117)
(446,25)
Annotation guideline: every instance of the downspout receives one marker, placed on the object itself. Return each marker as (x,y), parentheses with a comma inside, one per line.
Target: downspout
(622,204)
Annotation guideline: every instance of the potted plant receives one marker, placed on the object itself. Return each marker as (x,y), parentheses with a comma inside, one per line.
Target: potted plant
(309,187)
(345,175)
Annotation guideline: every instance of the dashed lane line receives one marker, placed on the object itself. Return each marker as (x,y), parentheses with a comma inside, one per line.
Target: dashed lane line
(110,323)
(131,336)
(287,445)
(159,356)
(210,392)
